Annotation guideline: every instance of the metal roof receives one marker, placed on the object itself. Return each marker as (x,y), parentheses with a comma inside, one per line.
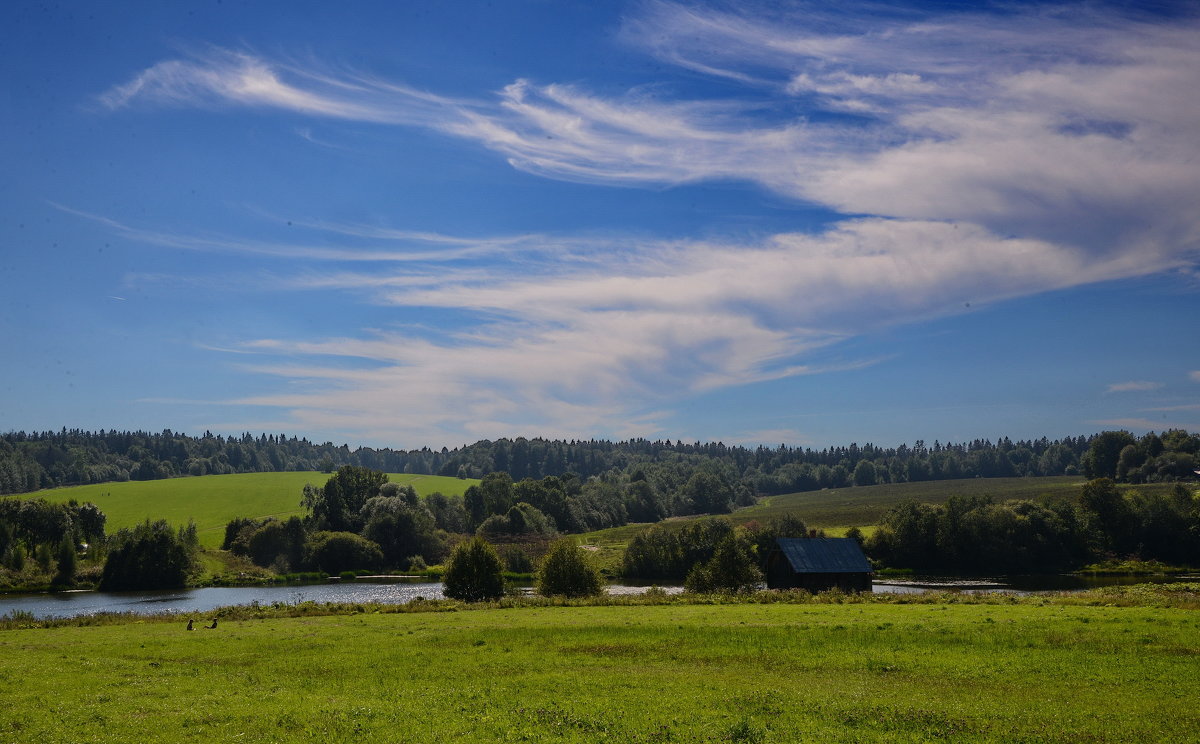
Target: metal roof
(824,555)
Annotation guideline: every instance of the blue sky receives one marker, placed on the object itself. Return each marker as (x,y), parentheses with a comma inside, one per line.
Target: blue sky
(408,224)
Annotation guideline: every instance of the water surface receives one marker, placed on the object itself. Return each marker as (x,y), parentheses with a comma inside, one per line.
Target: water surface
(196,602)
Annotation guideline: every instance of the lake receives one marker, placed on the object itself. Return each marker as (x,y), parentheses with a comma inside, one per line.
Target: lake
(188,602)
(197,601)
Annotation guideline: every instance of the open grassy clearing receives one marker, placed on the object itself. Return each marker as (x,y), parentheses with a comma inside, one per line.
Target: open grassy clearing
(1025,671)
(213,500)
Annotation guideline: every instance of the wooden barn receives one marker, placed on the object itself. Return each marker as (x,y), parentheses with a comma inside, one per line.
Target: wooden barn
(817,564)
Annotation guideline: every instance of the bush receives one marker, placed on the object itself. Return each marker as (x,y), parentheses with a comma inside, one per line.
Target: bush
(521,519)
(731,570)
(565,571)
(473,572)
(334,552)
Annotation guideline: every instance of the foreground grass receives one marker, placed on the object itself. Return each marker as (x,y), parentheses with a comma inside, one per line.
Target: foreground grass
(213,500)
(944,669)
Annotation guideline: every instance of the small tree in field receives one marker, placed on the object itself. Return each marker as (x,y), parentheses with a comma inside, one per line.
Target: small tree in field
(473,572)
(565,571)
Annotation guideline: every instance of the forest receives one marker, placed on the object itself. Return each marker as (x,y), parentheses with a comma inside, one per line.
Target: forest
(33,461)
(359,521)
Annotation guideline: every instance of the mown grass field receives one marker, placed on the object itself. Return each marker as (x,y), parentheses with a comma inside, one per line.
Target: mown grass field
(213,500)
(1016,671)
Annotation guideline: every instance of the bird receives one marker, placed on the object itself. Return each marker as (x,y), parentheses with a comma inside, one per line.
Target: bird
(190,624)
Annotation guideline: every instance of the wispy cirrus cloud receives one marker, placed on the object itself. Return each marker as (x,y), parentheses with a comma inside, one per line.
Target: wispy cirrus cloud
(402,246)
(976,158)
(1070,124)
(571,348)
(1133,386)
(1145,424)
(1185,407)
(215,76)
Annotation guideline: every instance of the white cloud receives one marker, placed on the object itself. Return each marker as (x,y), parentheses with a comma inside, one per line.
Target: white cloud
(216,77)
(1069,125)
(988,157)
(573,349)
(1133,386)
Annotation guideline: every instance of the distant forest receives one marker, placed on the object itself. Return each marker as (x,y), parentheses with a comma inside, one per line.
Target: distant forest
(32,461)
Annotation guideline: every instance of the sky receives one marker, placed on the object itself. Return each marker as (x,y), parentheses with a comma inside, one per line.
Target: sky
(426,224)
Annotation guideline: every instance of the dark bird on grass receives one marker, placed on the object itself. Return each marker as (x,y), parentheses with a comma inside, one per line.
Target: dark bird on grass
(210,627)
(190,624)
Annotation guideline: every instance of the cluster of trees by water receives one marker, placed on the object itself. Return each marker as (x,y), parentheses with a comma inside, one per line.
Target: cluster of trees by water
(60,546)
(358,520)
(979,535)
(31,461)
(378,523)
(42,543)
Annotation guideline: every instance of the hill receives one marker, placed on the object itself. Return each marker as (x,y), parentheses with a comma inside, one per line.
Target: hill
(213,500)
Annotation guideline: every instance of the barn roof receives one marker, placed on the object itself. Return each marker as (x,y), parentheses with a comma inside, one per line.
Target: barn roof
(824,555)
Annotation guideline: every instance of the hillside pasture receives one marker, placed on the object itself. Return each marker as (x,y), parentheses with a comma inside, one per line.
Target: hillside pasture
(213,500)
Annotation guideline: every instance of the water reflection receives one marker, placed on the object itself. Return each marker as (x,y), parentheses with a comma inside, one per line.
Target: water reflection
(198,601)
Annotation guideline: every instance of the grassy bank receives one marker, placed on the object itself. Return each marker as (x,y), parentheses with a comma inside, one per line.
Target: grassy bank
(949,669)
(213,500)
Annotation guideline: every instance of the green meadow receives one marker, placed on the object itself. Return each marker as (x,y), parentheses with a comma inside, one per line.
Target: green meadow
(213,500)
(1003,669)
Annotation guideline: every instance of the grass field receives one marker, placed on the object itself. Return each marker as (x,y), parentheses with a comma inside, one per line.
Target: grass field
(213,500)
(864,505)
(1028,671)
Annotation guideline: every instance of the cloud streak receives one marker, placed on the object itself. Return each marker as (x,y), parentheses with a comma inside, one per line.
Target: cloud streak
(1133,386)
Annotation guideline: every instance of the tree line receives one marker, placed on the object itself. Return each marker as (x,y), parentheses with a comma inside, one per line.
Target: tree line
(975,534)
(42,543)
(32,461)
(63,545)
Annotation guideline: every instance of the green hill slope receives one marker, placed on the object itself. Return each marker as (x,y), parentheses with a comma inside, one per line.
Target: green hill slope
(213,500)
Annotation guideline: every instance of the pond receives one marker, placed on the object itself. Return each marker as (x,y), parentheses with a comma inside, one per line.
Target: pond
(189,602)
(198,601)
